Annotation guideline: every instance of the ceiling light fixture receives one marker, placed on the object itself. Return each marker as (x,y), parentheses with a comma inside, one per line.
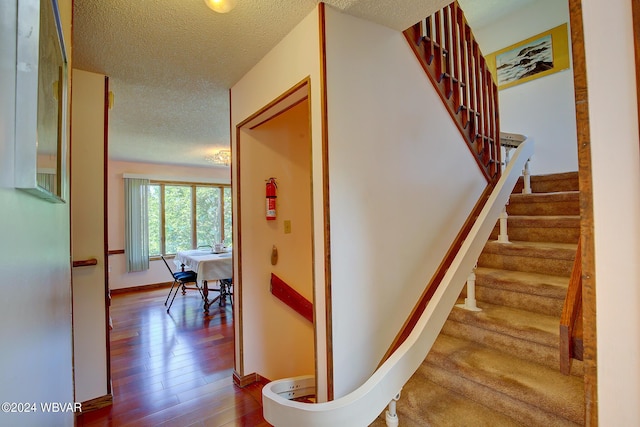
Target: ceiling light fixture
(220,157)
(221,6)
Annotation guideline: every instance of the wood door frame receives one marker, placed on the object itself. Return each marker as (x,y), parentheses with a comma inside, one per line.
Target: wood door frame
(586,213)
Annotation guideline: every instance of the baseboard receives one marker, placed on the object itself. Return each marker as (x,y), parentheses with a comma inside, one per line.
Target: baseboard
(139,288)
(97,403)
(243,381)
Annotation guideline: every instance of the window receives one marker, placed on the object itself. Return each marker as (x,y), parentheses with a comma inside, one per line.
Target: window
(185,216)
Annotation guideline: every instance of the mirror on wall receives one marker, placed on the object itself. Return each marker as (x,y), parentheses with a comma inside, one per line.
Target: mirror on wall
(41,101)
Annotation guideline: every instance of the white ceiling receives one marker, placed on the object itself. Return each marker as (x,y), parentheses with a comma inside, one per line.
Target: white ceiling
(171,62)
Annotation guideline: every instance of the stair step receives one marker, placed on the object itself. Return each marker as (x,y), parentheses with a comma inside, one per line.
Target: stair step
(541,228)
(559,203)
(534,328)
(529,336)
(535,257)
(529,392)
(425,403)
(537,292)
(565,181)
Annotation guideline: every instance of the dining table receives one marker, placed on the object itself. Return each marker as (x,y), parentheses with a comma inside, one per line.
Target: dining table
(209,266)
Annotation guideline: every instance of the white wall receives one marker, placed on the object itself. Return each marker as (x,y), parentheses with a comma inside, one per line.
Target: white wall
(294,59)
(35,309)
(402,182)
(157,273)
(616,196)
(544,108)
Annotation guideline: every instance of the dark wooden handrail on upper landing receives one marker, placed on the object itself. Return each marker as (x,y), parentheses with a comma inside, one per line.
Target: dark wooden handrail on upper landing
(448,52)
(571,319)
(285,293)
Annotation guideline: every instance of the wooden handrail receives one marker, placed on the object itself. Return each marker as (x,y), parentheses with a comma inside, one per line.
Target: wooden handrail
(85,262)
(285,293)
(571,319)
(449,54)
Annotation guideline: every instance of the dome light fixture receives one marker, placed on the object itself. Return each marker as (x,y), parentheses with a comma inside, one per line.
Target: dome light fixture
(221,6)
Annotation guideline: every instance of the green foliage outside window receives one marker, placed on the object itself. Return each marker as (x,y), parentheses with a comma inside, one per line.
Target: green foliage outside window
(186,227)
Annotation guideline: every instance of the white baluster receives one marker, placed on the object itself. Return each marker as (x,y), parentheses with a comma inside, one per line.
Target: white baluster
(470,300)
(526,175)
(391,417)
(503,237)
(507,156)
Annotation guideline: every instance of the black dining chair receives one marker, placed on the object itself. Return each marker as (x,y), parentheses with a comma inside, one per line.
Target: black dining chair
(180,280)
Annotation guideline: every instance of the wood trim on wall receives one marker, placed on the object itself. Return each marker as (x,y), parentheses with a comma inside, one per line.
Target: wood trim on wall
(325,191)
(635,11)
(115,252)
(244,380)
(140,288)
(586,214)
(105,201)
(97,403)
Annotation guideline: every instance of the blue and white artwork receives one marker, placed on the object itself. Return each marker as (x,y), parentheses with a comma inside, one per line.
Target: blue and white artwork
(525,60)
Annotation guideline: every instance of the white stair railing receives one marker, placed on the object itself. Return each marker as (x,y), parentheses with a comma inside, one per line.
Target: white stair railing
(362,406)
(508,141)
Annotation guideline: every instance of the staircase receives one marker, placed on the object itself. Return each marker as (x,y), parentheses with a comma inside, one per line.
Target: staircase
(500,366)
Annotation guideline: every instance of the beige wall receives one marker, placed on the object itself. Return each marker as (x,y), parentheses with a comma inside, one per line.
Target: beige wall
(280,148)
(87,231)
(157,273)
(35,309)
(402,182)
(615,166)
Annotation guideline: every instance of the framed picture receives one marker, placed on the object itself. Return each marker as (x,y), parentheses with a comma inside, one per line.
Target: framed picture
(535,57)
(41,148)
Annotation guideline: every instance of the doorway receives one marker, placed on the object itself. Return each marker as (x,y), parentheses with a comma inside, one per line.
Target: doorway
(273,339)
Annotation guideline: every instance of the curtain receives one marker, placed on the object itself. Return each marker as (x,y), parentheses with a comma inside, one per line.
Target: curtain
(136,229)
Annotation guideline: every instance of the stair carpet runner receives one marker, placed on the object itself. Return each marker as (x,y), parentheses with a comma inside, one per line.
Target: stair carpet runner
(500,366)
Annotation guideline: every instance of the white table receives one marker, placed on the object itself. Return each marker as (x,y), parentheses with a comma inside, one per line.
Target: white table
(208,267)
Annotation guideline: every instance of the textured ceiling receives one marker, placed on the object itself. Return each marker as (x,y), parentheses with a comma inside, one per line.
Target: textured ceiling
(171,62)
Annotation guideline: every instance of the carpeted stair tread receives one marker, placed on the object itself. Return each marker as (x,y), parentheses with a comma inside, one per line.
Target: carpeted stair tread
(525,413)
(537,292)
(424,403)
(536,328)
(536,257)
(556,196)
(525,381)
(541,228)
(546,249)
(559,203)
(543,354)
(523,282)
(548,221)
(563,181)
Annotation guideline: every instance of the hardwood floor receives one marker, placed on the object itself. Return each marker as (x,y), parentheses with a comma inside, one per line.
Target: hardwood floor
(173,369)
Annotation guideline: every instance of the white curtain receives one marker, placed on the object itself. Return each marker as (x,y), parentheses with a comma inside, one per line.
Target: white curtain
(136,245)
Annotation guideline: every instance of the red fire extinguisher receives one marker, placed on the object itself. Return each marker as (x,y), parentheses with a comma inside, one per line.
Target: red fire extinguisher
(271,199)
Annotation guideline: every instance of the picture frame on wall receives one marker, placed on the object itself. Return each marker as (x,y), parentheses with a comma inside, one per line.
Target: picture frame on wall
(41,148)
(537,56)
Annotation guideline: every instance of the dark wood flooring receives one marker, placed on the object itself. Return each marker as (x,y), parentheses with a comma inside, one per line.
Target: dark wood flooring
(173,369)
